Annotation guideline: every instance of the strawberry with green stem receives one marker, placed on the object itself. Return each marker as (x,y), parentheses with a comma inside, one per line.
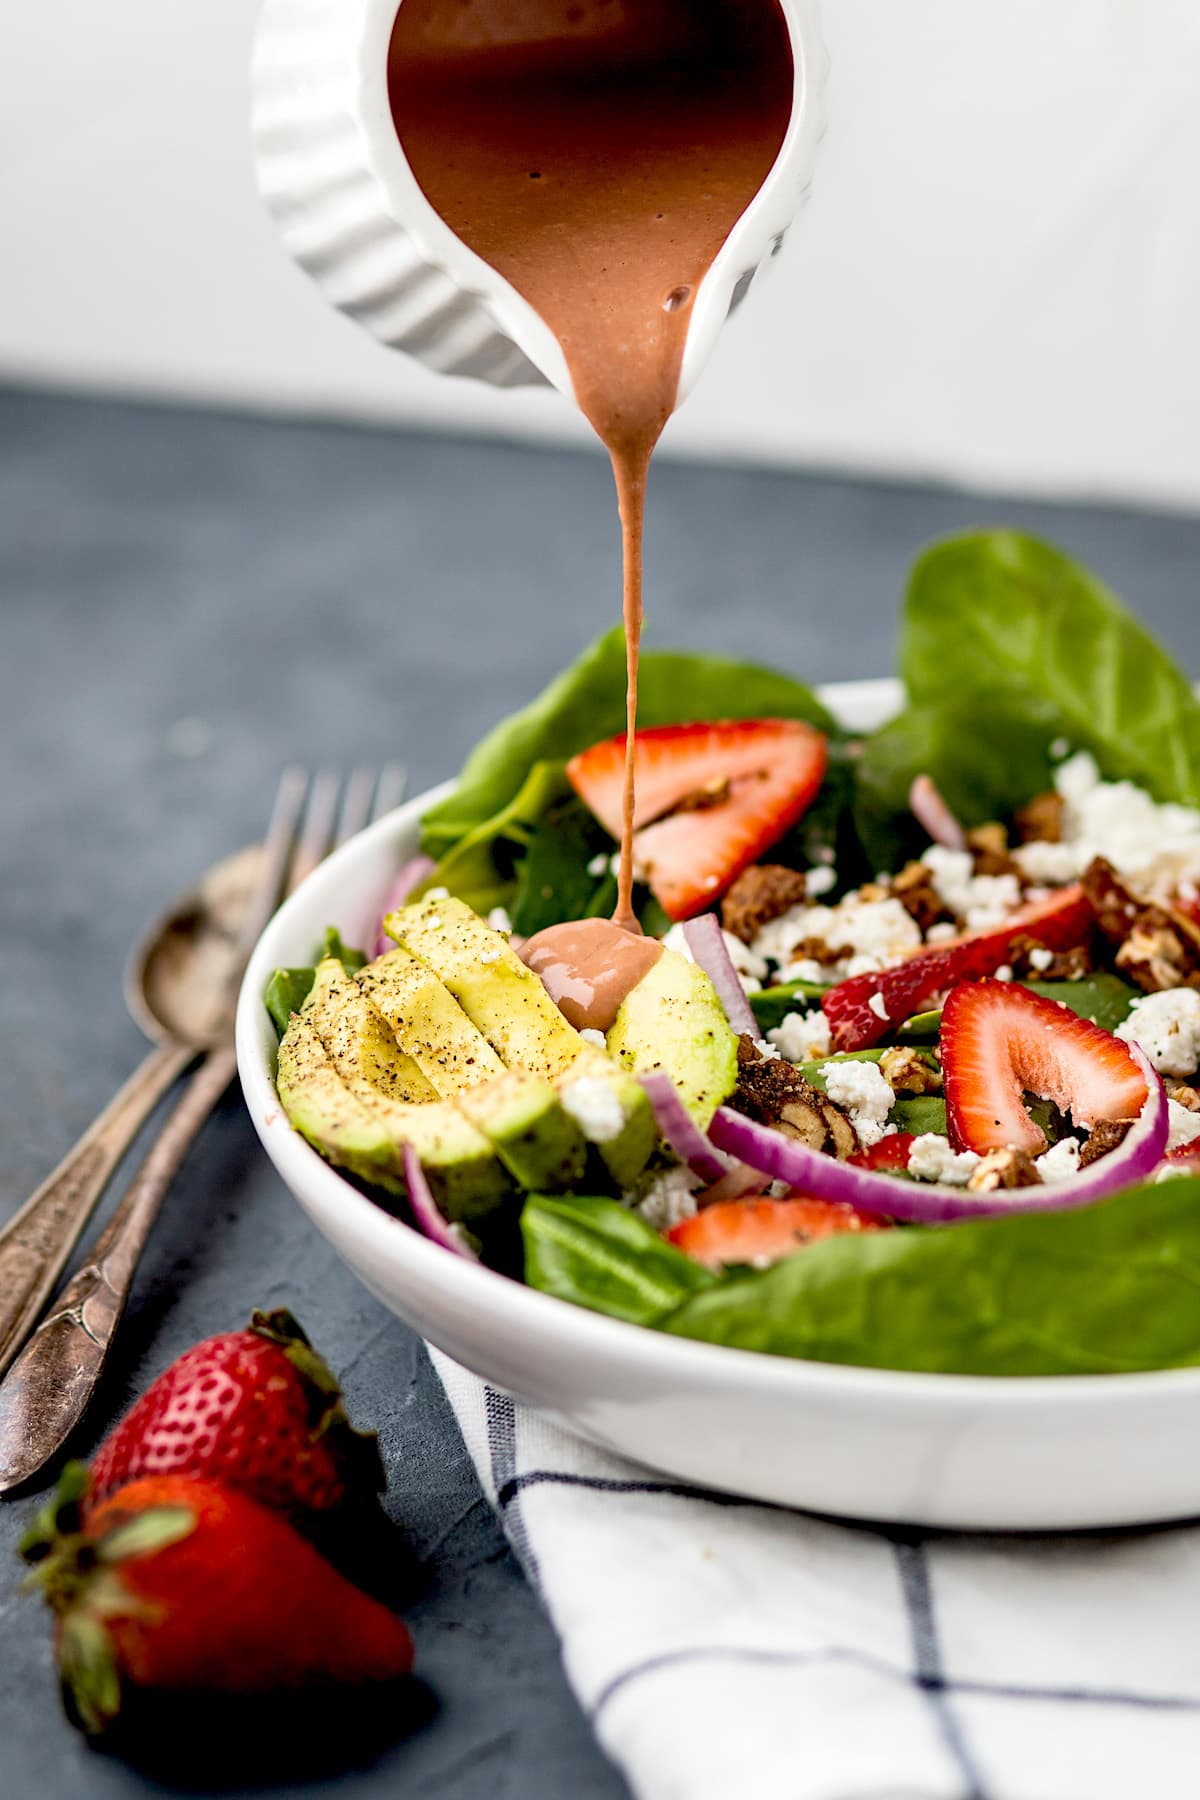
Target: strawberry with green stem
(174,1584)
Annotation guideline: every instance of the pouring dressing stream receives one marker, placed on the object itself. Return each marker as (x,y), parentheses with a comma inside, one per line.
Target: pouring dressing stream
(597,154)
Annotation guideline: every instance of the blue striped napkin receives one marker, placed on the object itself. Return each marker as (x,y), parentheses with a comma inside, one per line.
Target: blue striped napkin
(723,1649)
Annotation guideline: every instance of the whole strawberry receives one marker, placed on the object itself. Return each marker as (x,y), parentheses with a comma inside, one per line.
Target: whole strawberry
(257,1410)
(179,1585)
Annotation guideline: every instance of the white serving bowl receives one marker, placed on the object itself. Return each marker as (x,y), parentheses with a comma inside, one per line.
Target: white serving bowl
(965,1452)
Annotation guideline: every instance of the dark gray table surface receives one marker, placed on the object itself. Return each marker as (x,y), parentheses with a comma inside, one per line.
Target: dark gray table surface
(188,601)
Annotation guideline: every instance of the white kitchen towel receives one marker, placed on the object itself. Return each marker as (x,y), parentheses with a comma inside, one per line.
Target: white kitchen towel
(729,1651)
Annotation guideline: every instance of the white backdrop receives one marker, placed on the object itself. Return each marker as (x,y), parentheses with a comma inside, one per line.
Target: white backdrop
(997,279)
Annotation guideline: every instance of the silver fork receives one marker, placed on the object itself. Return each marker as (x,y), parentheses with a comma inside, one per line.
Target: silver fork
(50,1385)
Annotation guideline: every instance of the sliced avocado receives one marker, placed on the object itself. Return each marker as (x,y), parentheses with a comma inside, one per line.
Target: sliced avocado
(519,1114)
(364,1049)
(672,1020)
(533,1133)
(500,996)
(517,1016)
(362,1074)
(626,1153)
(429,1024)
(323,1110)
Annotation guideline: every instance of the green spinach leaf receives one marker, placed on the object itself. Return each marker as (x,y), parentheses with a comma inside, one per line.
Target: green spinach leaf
(481,868)
(1105,1289)
(554,881)
(599,1255)
(920,1113)
(1007,645)
(285,993)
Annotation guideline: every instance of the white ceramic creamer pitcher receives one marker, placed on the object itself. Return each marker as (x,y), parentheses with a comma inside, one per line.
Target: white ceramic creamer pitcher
(333,172)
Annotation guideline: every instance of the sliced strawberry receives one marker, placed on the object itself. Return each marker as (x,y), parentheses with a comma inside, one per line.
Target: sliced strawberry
(1185,1156)
(889,1153)
(1000,1042)
(1059,923)
(710,799)
(760,1232)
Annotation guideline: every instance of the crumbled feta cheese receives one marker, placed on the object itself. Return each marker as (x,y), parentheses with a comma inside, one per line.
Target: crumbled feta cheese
(1040,960)
(767,1051)
(1159,845)
(489,956)
(980,901)
(743,958)
(878,1006)
(593,1037)
(930,1158)
(860,1087)
(804,970)
(1183,1126)
(879,929)
(1167,1026)
(670,1198)
(438,893)
(820,881)
(1053,865)
(499,920)
(941,933)
(802,1037)
(1004,972)
(593,1104)
(1061,1161)
(599,863)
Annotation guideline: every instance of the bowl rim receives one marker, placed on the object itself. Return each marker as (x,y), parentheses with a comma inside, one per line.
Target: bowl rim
(320,1189)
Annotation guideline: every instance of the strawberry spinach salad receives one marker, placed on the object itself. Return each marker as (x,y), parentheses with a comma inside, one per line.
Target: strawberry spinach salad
(915,1080)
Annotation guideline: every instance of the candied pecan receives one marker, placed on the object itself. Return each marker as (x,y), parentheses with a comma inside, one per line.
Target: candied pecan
(871,892)
(1105,1135)
(774,1092)
(913,888)
(1155,958)
(1041,821)
(1155,947)
(1003,1169)
(1064,965)
(1185,1096)
(761,893)
(988,845)
(907,1073)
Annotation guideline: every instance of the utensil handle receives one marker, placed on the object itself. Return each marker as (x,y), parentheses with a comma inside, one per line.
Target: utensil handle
(49,1387)
(36,1244)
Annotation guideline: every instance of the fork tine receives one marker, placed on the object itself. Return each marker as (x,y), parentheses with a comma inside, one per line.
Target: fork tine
(356,804)
(316,834)
(393,785)
(277,850)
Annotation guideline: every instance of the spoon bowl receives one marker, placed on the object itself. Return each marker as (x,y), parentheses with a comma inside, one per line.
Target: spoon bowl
(179,974)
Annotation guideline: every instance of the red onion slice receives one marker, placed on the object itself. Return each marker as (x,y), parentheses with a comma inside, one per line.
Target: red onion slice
(707,945)
(410,876)
(931,812)
(681,1131)
(785,1160)
(427,1212)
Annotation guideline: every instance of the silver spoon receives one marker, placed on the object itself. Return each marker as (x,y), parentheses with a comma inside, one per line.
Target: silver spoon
(177,985)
